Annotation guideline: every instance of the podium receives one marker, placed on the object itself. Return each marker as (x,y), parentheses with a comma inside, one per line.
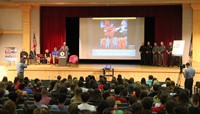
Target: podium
(62,58)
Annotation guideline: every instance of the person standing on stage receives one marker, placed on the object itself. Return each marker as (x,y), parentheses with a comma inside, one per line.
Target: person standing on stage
(32,56)
(155,54)
(148,54)
(189,74)
(65,48)
(142,53)
(170,58)
(54,54)
(161,53)
(20,68)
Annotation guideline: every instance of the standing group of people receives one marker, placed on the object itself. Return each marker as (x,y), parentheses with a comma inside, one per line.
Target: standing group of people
(155,55)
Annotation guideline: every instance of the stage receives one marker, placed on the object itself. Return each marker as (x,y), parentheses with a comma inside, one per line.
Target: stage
(50,72)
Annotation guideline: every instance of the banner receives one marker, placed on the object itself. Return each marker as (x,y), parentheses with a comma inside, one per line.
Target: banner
(10,53)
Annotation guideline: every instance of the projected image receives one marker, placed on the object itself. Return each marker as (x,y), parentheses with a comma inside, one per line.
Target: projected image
(111,37)
(115,34)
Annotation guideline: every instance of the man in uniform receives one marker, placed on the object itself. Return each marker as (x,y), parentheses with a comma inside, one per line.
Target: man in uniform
(142,53)
(170,58)
(148,54)
(155,54)
(161,54)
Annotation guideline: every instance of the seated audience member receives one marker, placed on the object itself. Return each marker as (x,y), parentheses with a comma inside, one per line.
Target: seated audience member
(54,55)
(61,103)
(163,98)
(184,98)
(27,87)
(47,56)
(169,106)
(85,112)
(181,110)
(37,99)
(96,98)
(2,93)
(195,104)
(77,96)
(147,103)
(3,86)
(85,106)
(111,101)
(73,108)
(101,106)
(81,84)
(41,111)
(45,96)
(5,79)
(109,111)
(102,83)
(9,107)
(154,91)
(10,86)
(13,96)
(149,81)
(117,96)
(21,89)
(137,108)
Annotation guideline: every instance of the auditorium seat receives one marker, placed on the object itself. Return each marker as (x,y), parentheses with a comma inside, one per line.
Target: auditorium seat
(57,112)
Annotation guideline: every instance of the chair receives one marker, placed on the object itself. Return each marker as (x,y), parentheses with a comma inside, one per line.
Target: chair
(57,112)
(20,111)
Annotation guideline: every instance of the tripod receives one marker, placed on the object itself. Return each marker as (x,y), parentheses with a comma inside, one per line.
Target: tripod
(178,83)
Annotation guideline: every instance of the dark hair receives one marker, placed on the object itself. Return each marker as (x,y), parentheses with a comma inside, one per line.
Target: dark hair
(147,103)
(117,90)
(156,87)
(36,80)
(163,97)
(101,106)
(142,95)
(81,78)
(21,86)
(85,96)
(5,79)
(61,98)
(137,108)
(124,92)
(181,110)
(58,77)
(187,64)
(132,99)
(37,97)
(170,105)
(143,81)
(13,96)
(80,83)
(106,94)
(150,77)
(16,80)
(85,112)
(2,92)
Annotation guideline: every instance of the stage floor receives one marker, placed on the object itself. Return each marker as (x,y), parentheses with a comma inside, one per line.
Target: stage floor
(50,72)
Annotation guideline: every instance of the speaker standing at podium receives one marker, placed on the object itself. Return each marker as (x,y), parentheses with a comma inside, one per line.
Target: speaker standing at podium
(65,48)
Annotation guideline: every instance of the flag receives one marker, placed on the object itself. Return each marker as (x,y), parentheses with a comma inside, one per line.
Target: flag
(190,48)
(34,42)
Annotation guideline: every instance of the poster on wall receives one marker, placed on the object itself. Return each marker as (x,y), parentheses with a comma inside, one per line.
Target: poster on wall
(11,53)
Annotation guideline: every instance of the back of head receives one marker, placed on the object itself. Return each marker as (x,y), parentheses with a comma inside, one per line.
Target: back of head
(150,77)
(117,90)
(187,64)
(73,107)
(163,97)
(109,111)
(37,97)
(58,77)
(44,91)
(111,101)
(85,96)
(78,92)
(13,96)
(170,105)
(61,98)
(181,110)
(2,92)
(137,107)
(41,111)
(9,107)
(147,103)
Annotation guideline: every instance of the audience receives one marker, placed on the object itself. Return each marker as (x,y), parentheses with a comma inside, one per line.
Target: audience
(85,96)
(61,103)
(85,106)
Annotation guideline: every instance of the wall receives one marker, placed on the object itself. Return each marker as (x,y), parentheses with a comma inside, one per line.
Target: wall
(10,19)
(187,31)
(35,27)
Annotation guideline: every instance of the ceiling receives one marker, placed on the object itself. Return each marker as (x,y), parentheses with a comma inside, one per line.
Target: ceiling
(16,3)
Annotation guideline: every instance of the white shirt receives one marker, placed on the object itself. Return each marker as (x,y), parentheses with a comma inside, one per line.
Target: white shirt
(86,106)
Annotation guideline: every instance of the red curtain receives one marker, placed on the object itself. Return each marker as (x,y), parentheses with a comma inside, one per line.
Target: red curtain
(53,33)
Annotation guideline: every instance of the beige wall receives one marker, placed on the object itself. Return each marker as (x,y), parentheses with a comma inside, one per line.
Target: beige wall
(10,19)
(35,27)
(186,31)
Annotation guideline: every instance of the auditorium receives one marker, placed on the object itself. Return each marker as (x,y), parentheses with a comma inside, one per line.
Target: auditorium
(100,56)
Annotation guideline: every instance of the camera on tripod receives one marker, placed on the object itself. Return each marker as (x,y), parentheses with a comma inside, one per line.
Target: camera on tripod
(182,66)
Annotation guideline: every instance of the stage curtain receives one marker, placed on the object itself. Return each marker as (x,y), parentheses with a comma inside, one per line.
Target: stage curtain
(53,33)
